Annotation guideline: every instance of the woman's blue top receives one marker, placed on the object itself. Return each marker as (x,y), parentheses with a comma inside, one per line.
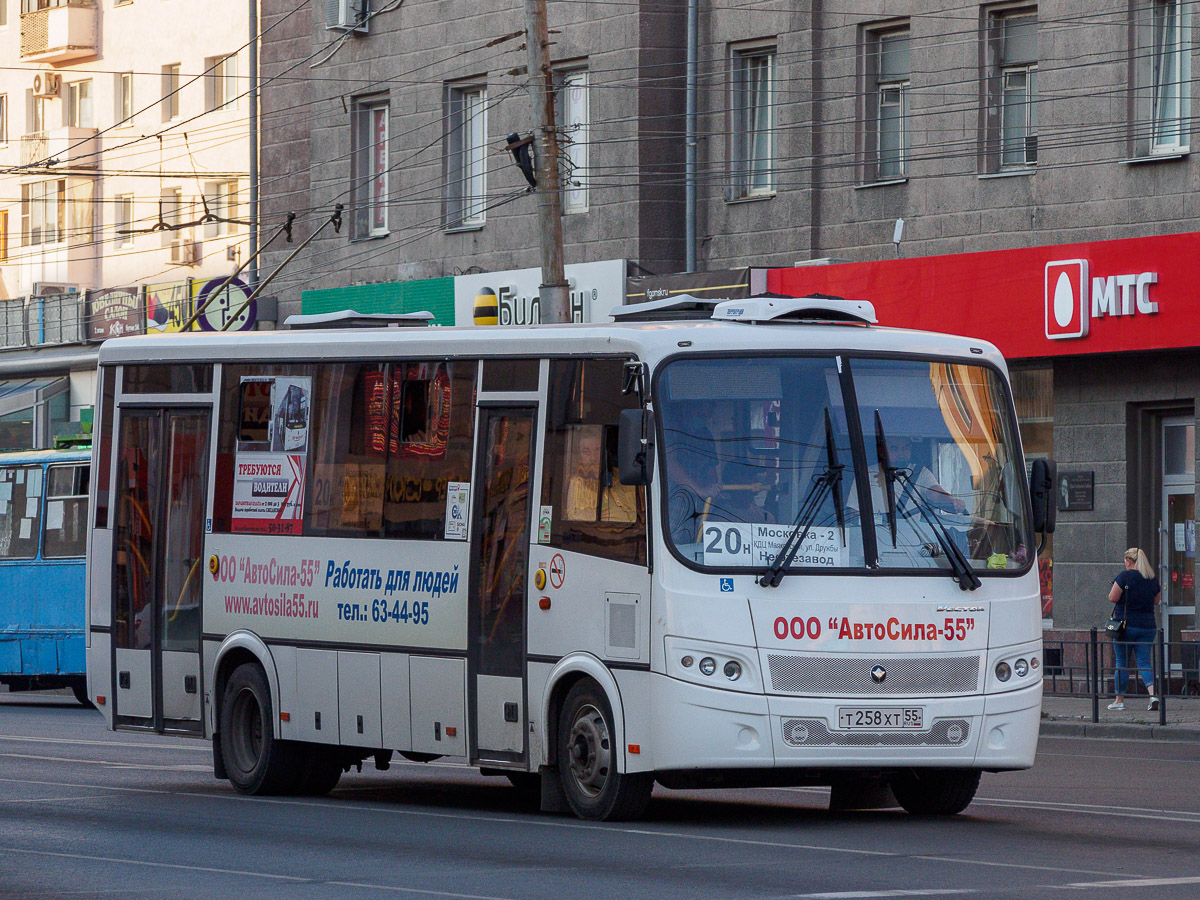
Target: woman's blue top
(1136,607)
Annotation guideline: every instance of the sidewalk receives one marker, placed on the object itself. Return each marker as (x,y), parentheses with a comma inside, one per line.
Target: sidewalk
(1072,717)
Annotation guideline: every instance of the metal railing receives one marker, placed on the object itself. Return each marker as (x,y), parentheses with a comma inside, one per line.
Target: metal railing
(1086,667)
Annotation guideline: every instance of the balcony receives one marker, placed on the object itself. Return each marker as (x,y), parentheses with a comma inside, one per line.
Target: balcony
(75,148)
(57,31)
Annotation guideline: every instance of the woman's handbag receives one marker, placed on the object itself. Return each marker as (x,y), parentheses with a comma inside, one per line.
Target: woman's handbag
(1114,627)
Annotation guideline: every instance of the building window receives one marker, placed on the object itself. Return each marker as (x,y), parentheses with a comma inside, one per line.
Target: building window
(124,97)
(220,85)
(3,235)
(170,92)
(1161,70)
(886,132)
(3,118)
(571,110)
(369,168)
(44,212)
(37,115)
(466,156)
(79,105)
(753,122)
(1170,61)
(124,220)
(220,200)
(172,211)
(1013,55)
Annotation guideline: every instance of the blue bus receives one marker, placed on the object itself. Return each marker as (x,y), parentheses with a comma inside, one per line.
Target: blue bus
(43,544)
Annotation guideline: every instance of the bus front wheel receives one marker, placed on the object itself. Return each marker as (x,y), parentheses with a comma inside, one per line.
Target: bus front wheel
(255,760)
(587,759)
(935,792)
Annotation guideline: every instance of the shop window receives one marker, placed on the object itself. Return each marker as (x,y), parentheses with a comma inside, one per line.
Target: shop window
(585,506)
(20,511)
(66,511)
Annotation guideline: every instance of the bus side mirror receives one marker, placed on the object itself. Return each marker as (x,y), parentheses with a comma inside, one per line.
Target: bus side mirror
(1043,478)
(635,446)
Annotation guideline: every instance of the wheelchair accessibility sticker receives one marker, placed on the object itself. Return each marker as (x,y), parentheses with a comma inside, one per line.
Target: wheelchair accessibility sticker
(726,585)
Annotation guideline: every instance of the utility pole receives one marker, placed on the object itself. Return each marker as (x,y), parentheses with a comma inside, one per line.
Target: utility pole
(554,298)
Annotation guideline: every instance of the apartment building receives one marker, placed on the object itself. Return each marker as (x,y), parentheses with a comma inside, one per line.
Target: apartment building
(124,185)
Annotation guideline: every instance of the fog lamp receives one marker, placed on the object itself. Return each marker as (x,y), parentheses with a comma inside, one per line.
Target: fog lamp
(708,665)
(733,670)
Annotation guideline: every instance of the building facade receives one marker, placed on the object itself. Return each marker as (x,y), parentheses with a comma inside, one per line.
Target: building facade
(124,164)
(856,132)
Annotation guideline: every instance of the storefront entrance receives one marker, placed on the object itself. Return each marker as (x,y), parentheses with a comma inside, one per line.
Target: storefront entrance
(1177,567)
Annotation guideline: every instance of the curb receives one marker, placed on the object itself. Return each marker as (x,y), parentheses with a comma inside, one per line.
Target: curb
(1110,731)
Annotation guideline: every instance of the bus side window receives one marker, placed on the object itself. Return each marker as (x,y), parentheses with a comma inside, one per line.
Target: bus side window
(66,512)
(20,511)
(590,510)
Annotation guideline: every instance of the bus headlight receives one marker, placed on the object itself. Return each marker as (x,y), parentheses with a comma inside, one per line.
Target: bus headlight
(733,670)
(708,665)
(1003,671)
(1021,668)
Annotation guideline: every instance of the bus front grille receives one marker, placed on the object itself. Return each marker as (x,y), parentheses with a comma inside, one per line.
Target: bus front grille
(842,675)
(815,733)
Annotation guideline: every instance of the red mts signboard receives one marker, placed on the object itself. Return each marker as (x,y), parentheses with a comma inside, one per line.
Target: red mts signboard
(1098,297)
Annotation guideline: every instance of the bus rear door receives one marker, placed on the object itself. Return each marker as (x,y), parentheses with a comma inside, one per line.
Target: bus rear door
(162,484)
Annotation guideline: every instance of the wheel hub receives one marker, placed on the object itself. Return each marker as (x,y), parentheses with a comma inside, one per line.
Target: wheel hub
(590,751)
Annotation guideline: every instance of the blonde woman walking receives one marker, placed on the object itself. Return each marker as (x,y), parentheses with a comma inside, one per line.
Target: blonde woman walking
(1135,593)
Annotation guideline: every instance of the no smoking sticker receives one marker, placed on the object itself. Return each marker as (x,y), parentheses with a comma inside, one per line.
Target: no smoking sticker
(558,571)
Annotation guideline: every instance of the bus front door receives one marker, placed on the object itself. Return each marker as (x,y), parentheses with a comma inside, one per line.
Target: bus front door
(499,567)
(162,485)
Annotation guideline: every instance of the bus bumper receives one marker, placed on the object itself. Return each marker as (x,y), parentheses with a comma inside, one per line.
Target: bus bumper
(696,727)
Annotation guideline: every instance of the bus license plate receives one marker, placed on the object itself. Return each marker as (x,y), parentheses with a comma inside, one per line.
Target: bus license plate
(873,718)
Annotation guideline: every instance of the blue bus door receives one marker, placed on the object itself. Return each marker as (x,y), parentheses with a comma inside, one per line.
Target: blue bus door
(162,494)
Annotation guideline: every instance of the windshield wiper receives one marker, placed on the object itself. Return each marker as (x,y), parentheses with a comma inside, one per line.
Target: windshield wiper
(961,569)
(829,480)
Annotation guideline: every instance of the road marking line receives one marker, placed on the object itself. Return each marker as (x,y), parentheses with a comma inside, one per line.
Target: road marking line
(105,762)
(1131,882)
(355,806)
(49,799)
(197,746)
(1085,809)
(156,865)
(895,892)
(295,879)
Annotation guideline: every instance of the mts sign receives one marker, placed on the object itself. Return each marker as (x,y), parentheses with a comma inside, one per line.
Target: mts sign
(1073,298)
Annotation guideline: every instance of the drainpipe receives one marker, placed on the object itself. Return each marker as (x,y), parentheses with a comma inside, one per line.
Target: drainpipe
(693,29)
(252,249)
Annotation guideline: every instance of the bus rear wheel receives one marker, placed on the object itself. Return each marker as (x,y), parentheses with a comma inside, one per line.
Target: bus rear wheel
(935,792)
(255,760)
(587,759)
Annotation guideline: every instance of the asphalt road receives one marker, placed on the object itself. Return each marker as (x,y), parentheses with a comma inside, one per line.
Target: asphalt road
(85,812)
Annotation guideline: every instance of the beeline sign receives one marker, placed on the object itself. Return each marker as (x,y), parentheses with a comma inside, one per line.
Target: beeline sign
(1070,305)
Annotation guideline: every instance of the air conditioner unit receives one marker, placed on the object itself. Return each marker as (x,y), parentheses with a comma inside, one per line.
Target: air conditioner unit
(52,289)
(347,15)
(47,84)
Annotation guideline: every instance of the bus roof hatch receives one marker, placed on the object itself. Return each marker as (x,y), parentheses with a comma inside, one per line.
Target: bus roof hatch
(666,309)
(796,309)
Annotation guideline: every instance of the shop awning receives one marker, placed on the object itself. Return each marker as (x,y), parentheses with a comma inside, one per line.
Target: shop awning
(19,394)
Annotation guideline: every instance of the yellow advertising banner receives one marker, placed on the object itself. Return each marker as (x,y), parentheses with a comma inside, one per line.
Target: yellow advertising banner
(168,305)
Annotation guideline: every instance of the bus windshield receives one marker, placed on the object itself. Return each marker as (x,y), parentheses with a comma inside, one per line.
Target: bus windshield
(756,448)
